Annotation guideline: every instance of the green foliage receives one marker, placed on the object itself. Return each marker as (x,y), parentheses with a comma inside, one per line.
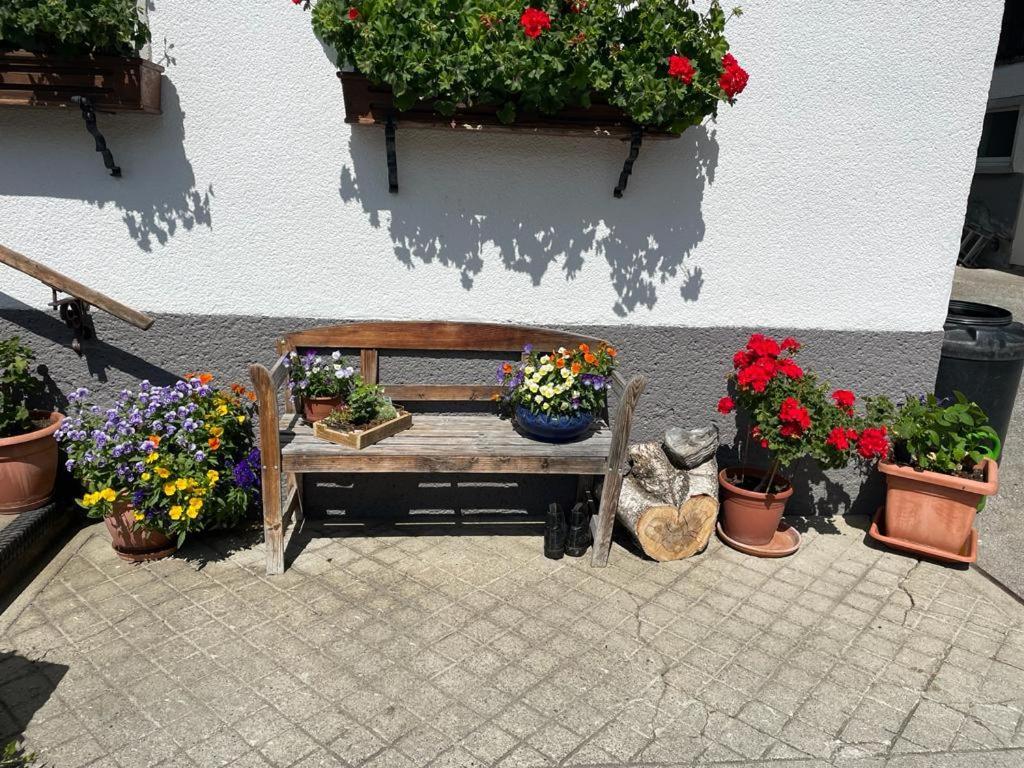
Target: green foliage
(477,52)
(17,382)
(950,439)
(366,404)
(73,27)
(13,756)
(314,375)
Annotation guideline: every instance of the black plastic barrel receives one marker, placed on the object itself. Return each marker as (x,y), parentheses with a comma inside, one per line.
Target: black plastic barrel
(982,356)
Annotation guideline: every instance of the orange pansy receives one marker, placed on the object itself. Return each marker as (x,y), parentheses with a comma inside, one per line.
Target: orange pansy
(560,363)
(214,443)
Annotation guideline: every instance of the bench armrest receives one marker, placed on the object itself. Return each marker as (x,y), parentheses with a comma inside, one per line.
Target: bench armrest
(266,383)
(622,422)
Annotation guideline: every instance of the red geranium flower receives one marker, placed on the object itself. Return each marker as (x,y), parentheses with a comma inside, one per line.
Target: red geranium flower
(726,405)
(757,375)
(790,368)
(794,417)
(353,14)
(763,346)
(734,78)
(681,69)
(742,359)
(873,443)
(844,399)
(839,439)
(790,344)
(534,22)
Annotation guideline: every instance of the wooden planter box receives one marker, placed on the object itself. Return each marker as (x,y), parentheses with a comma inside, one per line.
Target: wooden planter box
(369,104)
(360,439)
(111,83)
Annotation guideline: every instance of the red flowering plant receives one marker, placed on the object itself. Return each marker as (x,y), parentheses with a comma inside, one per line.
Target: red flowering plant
(792,414)
(666,64)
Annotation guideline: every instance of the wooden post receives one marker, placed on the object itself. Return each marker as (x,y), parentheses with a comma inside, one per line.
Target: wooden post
(368,365)
(603,524)
(270,453)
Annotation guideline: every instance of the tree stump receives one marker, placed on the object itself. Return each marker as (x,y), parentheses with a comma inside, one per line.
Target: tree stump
(669,498)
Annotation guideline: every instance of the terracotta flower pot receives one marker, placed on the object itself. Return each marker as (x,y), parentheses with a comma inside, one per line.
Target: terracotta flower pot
(316,408)
(133,545)
(933,509)
(28,466)
(750,517)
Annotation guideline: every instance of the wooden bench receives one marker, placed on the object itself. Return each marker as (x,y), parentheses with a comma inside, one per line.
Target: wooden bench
(437,443)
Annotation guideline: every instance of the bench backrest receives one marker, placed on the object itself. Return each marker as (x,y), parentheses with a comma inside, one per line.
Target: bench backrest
(371,338)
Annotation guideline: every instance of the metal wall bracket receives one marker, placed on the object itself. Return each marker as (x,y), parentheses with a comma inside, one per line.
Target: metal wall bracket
(75,314)
(634,151)
(89,115)
(390,129)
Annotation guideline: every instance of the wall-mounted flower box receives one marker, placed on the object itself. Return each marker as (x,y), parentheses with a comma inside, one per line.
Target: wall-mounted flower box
(110,83)
(369,104)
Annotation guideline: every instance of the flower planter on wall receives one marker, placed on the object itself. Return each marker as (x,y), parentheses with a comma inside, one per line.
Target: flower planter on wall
(112,84)
(369,104)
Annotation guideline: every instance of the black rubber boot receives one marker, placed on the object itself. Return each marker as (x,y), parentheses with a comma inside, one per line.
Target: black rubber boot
(554,533)
(578,539)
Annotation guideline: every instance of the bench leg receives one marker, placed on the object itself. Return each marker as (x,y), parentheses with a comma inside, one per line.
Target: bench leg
(273,526)
(601,525)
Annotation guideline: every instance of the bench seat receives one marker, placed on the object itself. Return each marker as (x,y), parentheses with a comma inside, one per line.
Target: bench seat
(482,443)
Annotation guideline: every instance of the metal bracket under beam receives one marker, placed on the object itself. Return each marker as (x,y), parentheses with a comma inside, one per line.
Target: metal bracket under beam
(390,128)
(89,115)
(634,151)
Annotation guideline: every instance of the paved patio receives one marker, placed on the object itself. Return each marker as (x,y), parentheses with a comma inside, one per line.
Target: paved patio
(414,650)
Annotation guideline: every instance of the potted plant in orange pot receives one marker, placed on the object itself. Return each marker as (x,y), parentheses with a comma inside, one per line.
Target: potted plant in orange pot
(163,462)
(941,469)
(28,451)
(792,415)
(321,383)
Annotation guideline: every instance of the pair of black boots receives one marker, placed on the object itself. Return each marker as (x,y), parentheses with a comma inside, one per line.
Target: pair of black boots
(573,539)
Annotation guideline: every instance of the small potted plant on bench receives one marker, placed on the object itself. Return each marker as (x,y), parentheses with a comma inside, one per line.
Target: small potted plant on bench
(164,462)
(320,382)
(556,396)
(28,451)
(942,467)
(792,415)
(366,418)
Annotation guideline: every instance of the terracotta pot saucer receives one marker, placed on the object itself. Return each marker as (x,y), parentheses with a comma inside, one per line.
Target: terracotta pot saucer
(968,552)
(785,542)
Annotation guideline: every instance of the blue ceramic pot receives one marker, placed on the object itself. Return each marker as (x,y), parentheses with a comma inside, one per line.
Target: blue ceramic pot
(553,429)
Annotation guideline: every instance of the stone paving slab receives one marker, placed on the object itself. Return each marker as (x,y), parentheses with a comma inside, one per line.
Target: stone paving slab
(413,649)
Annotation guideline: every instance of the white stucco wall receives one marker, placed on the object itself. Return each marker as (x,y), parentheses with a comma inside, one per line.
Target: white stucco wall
(831,196)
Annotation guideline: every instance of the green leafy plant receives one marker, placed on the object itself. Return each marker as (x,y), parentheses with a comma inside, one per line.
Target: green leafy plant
(17,383)
(366,405)
(950,439)
(665,64)
(14,756)
(73,27)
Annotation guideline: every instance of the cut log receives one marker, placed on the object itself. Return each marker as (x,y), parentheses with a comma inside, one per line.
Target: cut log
(669,510)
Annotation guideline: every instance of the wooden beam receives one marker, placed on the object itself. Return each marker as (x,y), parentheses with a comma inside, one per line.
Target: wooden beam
(65,284)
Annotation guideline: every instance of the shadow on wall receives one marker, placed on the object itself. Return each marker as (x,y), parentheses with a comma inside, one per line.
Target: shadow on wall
(541,201)
(47,153)
(98,354)
(27,686)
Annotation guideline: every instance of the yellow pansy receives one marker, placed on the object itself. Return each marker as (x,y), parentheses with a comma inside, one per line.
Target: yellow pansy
(222,410)
(162,472)
(90,499)
(181,483)
(146,476)
(194,505)
(241,419)
(213,476)
(216,431)
(175,512)
(152,457)
(108,494)
(139,516)
(169,489)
